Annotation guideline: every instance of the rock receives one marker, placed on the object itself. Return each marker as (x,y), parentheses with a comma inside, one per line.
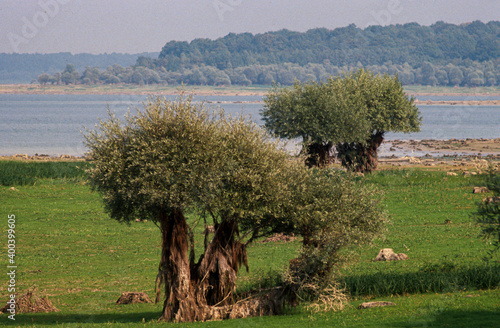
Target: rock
(466,173)
(369,305)
(480,190)
(387,254)
(133,298)
(490,200)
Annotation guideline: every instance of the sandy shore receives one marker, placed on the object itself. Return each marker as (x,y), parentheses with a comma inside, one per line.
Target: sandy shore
(447,147)
(131,90)
(229,91)
(459,102)
(391,150)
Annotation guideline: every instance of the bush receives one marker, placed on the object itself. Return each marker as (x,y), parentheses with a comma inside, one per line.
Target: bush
(488,212)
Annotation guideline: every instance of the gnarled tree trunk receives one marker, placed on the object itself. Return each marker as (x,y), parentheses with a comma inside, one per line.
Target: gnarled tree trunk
(175,270)
(318,154)
(198,291)
(358,157)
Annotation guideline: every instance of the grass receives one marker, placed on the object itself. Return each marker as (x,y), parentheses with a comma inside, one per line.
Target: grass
(27,173)
(73,253)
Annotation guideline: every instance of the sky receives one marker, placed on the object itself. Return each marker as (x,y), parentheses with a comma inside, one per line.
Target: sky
(136,26)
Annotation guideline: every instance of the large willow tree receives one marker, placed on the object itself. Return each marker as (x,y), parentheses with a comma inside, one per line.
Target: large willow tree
(177,156)
(174,156)
(351,112)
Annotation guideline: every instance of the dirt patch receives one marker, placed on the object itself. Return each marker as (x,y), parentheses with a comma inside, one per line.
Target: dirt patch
(31,303)
(133,298)
(369,305)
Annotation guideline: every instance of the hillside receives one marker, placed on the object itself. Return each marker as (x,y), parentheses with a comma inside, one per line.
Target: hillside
(411,43)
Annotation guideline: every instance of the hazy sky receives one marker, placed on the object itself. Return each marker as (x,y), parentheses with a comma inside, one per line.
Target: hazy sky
(133,26)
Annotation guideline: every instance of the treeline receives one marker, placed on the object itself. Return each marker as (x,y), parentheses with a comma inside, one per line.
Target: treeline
(470,73)
(412,43)
(442,54)
(24,68)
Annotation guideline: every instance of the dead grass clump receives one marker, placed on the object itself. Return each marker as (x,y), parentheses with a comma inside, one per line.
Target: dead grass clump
(280,237)
(329,299)
(31,303)
(133,298)
(265,304)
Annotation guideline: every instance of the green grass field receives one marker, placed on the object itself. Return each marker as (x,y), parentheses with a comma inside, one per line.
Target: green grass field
(73,253)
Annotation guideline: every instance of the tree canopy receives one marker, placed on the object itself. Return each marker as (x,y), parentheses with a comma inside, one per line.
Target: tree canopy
(351,112)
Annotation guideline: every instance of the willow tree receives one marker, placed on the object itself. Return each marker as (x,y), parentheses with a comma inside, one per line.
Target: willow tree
(176,156)
(351,112)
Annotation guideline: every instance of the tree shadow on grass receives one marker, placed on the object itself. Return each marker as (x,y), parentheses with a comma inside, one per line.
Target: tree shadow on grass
(454,319)
(61,318)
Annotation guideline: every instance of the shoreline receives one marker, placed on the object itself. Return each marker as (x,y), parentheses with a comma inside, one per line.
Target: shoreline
(125,89)
(390,150)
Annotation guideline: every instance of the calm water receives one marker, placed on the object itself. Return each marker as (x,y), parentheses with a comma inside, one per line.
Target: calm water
(53,124)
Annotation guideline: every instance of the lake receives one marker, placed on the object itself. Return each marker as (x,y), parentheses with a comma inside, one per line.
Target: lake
(53,124)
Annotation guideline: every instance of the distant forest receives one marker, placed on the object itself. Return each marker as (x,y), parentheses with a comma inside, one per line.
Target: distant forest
(24,68)
(441,54)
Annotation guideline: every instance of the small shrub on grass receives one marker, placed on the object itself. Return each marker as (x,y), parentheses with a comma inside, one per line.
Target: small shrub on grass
(335,213)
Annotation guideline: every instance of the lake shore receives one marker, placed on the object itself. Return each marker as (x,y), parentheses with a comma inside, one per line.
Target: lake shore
(124,89)
(453,152)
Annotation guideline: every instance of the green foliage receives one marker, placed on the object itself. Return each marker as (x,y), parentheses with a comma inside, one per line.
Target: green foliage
(488,212)
(334,213)
(182,155)
(399,44)
(344,110)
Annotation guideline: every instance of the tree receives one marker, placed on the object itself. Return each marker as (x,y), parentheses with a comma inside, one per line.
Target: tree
(43,78)
(91,75)
(177,156)
(70,68)
(333,213)
(351,112)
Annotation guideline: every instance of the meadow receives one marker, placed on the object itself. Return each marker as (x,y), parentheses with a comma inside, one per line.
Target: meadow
(70,251)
